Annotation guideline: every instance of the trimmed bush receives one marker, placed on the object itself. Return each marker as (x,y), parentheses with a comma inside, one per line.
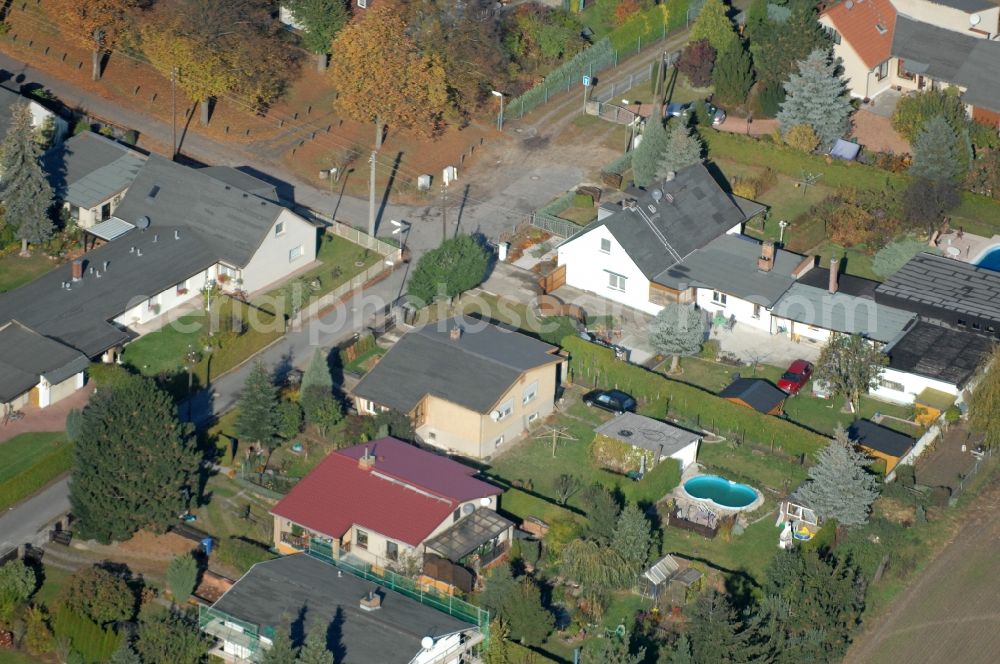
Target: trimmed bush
(659,396)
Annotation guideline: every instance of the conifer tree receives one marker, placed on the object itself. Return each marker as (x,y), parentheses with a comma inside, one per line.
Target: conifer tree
(733,74)
(936,156)
(125,654)
(182,577)
(615,649)
(602,513)
(713,25)
(26,193)
(646,157)
(281,651)
(714,630)
(317,374)
(314,650)
(840,486)
(681,654)
(633,538)
(683,150)
(133,462)
(259,419)
(678,330)
(817,97)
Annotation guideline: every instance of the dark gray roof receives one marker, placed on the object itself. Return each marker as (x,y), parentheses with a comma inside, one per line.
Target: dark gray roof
(694,210)
(928,282)
(275,593)
(819,277)
(26,355)
(80,316)
(938,352)
(755,392)
(242,181)
(464,537)
(880,438)
(969,6)
(88,169)
(952,57)
(649,434)
(729,264)
(231,222)
(473,371)
(842,312)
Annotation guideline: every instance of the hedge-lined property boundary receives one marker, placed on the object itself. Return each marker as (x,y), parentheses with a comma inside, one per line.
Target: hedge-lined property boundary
(36,476)
(658,396)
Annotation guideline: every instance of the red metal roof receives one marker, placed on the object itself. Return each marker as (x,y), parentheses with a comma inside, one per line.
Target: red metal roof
(866,25)
(407,494)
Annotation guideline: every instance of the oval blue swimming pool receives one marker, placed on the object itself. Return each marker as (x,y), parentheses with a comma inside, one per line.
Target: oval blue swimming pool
(990,260)
(719,490)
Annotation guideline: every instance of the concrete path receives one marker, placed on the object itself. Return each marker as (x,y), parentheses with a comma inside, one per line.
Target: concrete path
(52,418)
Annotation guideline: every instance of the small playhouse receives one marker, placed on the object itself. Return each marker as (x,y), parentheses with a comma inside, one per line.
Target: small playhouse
(798,523)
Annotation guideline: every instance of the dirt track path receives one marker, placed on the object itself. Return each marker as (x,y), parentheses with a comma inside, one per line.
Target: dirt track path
(949,613)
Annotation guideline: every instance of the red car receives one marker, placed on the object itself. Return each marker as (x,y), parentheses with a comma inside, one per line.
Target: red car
(795,378)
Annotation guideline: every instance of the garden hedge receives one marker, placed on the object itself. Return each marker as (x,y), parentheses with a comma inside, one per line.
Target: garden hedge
(37,476)
(595,366)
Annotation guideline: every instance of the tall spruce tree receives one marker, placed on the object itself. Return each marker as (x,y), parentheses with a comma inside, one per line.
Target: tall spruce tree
(320,406)
(281,651)
(817,97)
(715,631)
(633,538)
(602,513)
(133,462)
(259,420)
(314,650)
(713,25)
(26,193)
(681,653)
(683,149)
(646,157)
(936,154)
(840,486)
(182,577)
(733,74)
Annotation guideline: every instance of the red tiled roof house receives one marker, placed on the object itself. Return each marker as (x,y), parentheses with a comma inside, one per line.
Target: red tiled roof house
(391,504)
(862,37)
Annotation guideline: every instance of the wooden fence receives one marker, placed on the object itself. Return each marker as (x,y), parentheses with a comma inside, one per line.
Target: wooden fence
(363,239)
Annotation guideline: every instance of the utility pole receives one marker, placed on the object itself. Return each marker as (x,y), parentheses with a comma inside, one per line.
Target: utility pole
(444,209)
(173,120)
(371,178)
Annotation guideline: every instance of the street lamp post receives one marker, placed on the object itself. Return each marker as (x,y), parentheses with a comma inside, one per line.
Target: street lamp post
(782,225)
(497,93)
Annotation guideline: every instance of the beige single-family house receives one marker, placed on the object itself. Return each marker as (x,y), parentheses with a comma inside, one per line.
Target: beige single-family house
(469,386)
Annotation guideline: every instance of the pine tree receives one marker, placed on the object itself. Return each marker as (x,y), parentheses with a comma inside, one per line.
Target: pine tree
(602,513)
(713,24)
(733,74)
(529,621)
(632,538)
(681,654)
(281,651)
(26,193)
(314,650)
(125,654)
(683,150)
(317,374)
(714,630)
(500,591)
(840,486)
(646,157)
(319,405)
(498,651)
(816,96)
(182,577)
(259,420)
(132,463)
(678,330)
(614,649)
(936,156)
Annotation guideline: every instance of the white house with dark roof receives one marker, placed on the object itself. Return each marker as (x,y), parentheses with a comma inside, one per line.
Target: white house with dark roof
(42,118)
(36,370)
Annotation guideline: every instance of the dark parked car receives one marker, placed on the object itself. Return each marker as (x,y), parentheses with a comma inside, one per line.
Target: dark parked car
(679,110)
(615,401)
(795,378)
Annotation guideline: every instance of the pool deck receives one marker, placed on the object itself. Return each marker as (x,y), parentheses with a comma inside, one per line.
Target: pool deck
(966,247)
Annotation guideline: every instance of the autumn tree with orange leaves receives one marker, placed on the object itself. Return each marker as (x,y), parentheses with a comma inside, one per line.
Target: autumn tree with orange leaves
(97,24)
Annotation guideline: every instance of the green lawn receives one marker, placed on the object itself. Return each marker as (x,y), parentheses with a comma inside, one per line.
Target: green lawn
(580,216)
(16,271)
(55,579)
(30,461)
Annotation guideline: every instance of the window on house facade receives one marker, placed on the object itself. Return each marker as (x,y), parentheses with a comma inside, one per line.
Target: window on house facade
(74,212)
(279,228)
(295,253)
(961,322)
(532,417)
(226,271)
(362,539)
(105,211)
(719,298)
(530,392)
(392,551)
(616,281)
(505,409)
(369,406)
(882,70)
(605,245)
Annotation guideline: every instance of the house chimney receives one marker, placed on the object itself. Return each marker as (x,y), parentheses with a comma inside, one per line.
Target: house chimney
(106,263)
(77,269)
(455,333)
(765,262)
(367,462)
(156,237)
(371,602)
(834,269)
(138,252)
(177,234)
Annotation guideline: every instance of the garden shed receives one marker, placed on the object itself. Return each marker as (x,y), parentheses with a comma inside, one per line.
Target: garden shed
(632,442)
(755,393)
(668,580)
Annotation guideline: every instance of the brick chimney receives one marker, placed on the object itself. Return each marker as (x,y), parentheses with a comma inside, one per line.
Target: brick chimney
(367,462)
(371,602)
(765,262)
(834,276)
(78,269)
(455,333)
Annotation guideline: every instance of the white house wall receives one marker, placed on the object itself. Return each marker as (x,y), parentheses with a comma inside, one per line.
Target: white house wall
(861,80)
(270,263)
(950,18)
(742,309)
(166,300)
(686,455)
(587,268)
(912,386)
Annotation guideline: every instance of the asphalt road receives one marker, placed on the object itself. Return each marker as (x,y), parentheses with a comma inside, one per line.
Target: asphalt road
(22,522)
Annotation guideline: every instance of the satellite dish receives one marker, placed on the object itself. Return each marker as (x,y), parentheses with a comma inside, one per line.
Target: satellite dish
(625,433)
(975,19)
(427,643)
(495,416)
(485,502)
(468,509)
(657,195)
(142,223)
